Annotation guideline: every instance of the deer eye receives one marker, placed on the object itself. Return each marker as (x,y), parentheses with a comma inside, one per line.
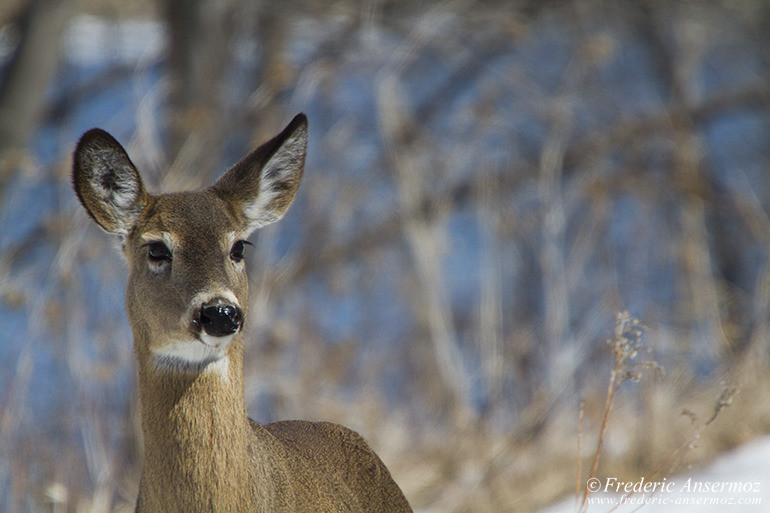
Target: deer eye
(236,253)
(158,252)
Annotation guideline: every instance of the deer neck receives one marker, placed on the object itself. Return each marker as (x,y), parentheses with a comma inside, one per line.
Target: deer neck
(197,443)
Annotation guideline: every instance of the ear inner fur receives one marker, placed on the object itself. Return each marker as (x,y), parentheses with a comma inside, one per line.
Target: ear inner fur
(263,184)
(107,182)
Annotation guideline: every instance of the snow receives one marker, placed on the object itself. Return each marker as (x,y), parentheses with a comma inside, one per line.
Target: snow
(738,482)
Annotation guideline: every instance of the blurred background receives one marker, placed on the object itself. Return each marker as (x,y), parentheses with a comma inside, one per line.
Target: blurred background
(487,184)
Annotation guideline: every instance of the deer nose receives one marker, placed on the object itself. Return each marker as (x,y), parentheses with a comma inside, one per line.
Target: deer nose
(220,319)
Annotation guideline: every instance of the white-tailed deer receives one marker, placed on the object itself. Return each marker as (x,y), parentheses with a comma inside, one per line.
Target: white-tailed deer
(186,300)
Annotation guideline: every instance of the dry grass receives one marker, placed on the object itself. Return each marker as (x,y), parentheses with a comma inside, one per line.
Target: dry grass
(488,470)
(492,471)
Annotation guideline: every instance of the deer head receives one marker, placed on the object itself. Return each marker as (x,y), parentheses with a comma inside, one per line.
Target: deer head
(187,288)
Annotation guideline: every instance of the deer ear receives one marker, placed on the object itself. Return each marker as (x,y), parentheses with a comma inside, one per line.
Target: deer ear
(107,182)
(261,187)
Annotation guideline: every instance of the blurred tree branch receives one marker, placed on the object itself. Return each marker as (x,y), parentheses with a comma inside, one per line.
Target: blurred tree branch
(199,54)
(509,179)
(425,234)
(26,80)
(677,58)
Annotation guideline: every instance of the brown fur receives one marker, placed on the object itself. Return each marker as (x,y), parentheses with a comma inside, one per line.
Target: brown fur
(201,451)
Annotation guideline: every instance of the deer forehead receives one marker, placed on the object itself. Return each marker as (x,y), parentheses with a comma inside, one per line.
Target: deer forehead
(191,220)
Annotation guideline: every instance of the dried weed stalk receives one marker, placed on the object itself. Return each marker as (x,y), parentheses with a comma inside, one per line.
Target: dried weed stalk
(723,400)
(626,346)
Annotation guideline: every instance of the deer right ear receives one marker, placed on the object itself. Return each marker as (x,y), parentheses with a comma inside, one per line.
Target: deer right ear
(107,182)
(261,187)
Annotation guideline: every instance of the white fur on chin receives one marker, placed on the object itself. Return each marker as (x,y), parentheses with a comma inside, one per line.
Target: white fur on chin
(207,354)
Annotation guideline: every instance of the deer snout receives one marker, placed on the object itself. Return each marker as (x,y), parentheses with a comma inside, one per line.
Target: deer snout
(219,318)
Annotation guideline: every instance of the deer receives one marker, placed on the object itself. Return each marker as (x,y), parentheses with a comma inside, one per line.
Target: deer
(186,300)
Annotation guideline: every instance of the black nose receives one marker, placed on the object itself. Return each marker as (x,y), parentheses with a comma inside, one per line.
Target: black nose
(221,319)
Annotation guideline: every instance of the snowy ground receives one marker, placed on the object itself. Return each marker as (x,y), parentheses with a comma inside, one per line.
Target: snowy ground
(738,482)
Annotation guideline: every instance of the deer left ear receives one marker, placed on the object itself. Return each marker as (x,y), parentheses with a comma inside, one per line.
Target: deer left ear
(107,183)
(262,186)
